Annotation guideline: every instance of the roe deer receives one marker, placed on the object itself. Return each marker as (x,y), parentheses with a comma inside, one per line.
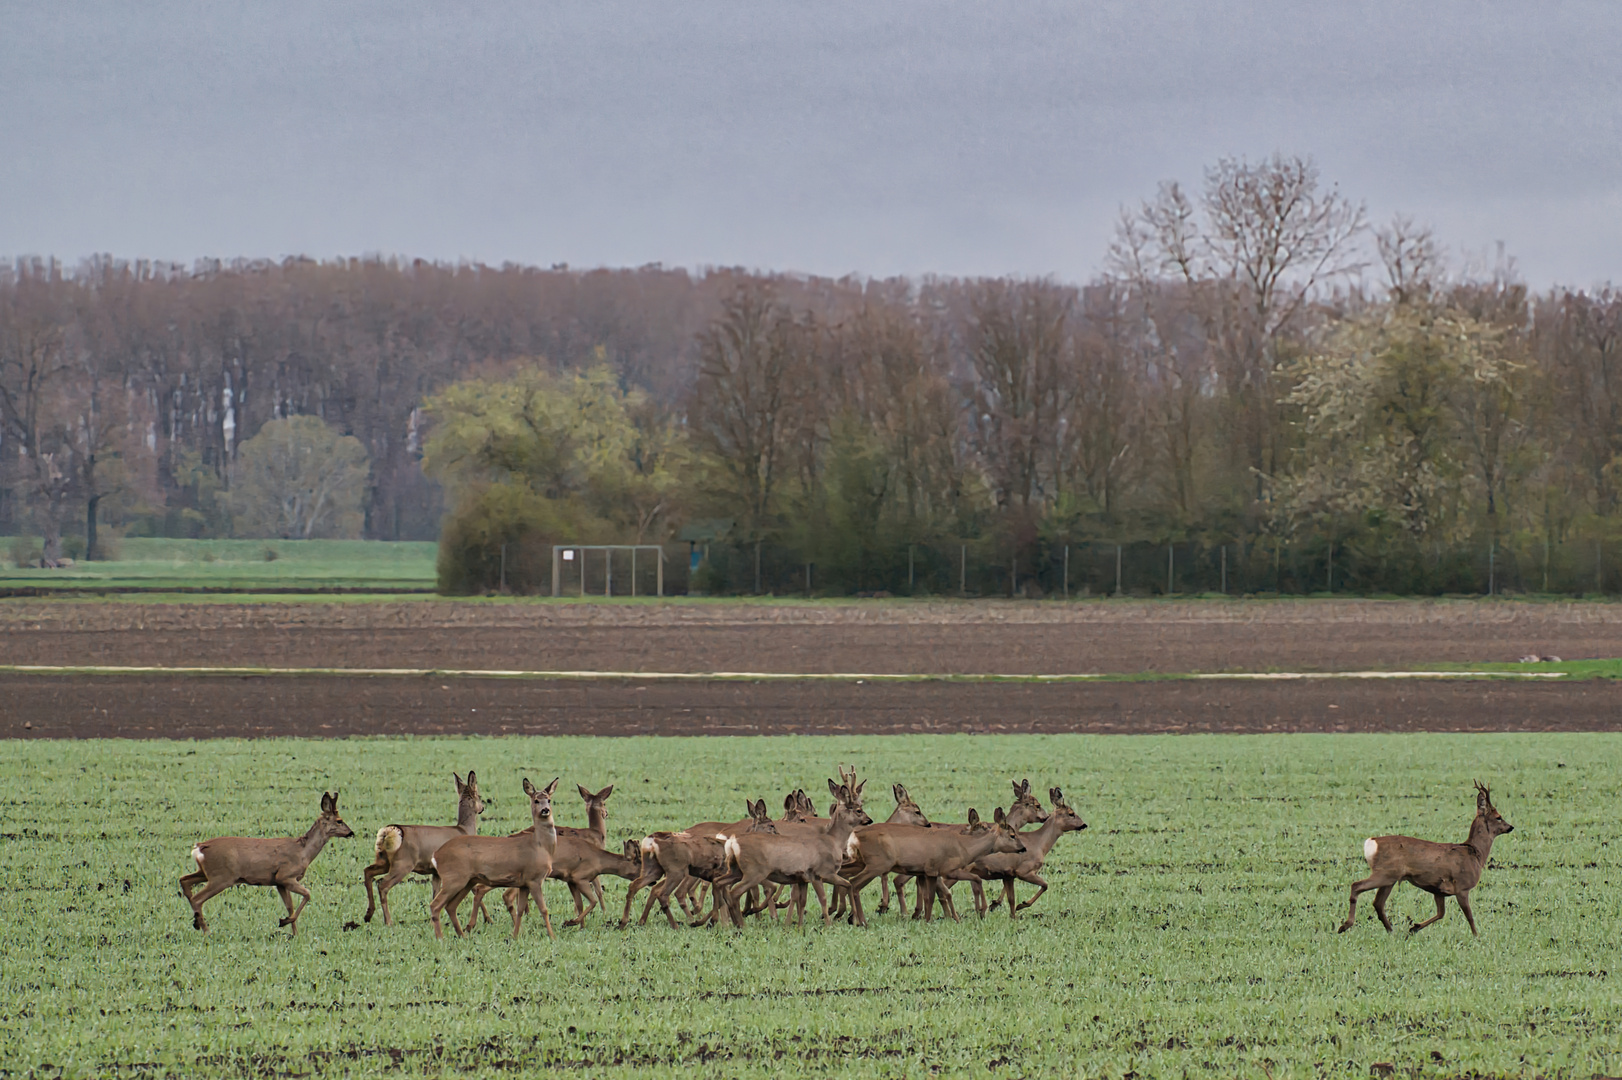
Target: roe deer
(1011,868)
(805,856)
(403,850)
(1442,870)
(577,863)
(1026,808)
(926,854)
(595,834)
(672,859)
(280,863)
(523,860)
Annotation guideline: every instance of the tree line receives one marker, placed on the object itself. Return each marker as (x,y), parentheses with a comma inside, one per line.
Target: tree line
(1260,379)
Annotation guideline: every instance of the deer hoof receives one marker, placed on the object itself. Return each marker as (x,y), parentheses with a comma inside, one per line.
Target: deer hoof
(284,922)
(1345,926)
(198,923)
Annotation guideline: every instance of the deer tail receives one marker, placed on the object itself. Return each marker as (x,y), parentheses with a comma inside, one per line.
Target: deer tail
(197,855)
(1371,848)
(389,839)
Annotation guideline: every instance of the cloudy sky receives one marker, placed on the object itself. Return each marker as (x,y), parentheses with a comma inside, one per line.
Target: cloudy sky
(876,138)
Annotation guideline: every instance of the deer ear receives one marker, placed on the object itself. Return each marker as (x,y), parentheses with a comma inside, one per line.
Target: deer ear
(458,779)
(329,802)
(833,789)
(471,780)
(584,794)
(974,816)
(999,817)
(553,786)
(858,792)
(529,788)
(1055,795)
(606,792)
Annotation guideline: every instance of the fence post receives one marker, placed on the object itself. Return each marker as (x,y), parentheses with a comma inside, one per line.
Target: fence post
(1492,566)
(504,569)
(660,583)
(557,571)
(963,570)
(582,553)
(1013,576)
(1599,565)
(909,569)
(633,572)
(1117,569)
(1171,565)
(757,567)
(1224,569)
(1067,571)
(1331,566)
(808,579)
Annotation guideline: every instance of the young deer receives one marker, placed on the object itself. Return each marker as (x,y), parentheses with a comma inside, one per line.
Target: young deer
(803,857)
(1442,870)
(906,812)
(1011,868)
(403,850)
(523,860)
(238,860)
(670,860)
(925,854)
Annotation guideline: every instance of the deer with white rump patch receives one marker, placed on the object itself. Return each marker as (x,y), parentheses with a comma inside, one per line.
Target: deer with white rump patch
(523,860)
(280,864)
(925,854)
(1442,870)
(1011,868)
(806,856)
(403,850)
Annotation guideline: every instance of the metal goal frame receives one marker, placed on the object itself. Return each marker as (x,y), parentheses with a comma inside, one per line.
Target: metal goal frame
(608,565)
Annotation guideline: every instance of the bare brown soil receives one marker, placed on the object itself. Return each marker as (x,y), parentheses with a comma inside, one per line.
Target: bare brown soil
(936,638)
(943,637)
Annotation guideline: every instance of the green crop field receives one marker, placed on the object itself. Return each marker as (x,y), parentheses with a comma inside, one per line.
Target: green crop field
(1188,932)
(239,565)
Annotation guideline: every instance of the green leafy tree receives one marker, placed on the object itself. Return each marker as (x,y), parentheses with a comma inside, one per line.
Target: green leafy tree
(298,479)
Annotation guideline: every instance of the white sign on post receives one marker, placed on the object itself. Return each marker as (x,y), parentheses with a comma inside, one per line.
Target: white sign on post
(568,556)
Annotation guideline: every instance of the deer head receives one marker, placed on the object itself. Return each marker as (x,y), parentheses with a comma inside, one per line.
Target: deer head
(1068,819)
(330,823)
(1024,801)
(762,820)
(1496,825)
(594,799)
(468,793)
(908,810)
(540,799)
(848,802)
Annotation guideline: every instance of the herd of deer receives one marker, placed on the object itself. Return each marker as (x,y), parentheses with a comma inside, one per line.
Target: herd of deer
(746,864)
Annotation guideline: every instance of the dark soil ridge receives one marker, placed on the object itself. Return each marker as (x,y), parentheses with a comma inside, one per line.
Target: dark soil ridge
(163,707)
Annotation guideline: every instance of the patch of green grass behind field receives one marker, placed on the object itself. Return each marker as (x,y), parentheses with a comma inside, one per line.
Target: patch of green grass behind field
(1190,931)
(244,565)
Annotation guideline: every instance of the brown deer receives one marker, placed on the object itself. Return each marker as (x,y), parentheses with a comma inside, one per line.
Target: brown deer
(1442,870)
(403,850)
(1011,868)
(925,854)
(806,856)
(594,837)
(280,864)
(671,859)
(1026,809)
(523,860)
(906,812)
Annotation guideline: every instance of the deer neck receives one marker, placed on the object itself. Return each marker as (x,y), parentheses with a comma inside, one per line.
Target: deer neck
(312,842)
(546,833)
(1041,840)
(840,828)
(978,846)
(1480,841)
(467,819)
(597,822)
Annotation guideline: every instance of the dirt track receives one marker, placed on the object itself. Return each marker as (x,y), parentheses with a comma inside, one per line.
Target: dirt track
(946,637)
(1007,638)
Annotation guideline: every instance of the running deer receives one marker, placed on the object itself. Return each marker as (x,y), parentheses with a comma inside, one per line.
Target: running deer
(403,850)
(1026,809)
(280,863)
(925,854)
(523,860)
(1442,870)
(671,859)
(800,858)
(1011,868)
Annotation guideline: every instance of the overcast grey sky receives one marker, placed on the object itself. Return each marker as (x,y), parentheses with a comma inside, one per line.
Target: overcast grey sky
(959,138)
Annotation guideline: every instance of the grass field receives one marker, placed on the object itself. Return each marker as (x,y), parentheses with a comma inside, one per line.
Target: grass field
(1189,931)
(242,566)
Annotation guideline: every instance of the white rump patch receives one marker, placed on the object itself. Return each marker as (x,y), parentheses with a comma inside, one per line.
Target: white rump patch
(197,855)
(649,846)
(389,839)
(723,837)
(853,848)
(732,847)
(434,862)
(1370,850)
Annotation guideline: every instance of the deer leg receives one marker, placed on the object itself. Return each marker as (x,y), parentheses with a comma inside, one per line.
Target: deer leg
(190,881)
(390,880)
(1469,916)
(1379,905)
(539,893)
(884,896)
(297,886)
(1441,909)
(579,905)
(209,891)
(977,887)
(946,899)
(442,896)
(518,909)
(643,880)
(379,866)
(287,900)
(1360,887)
(1035,879)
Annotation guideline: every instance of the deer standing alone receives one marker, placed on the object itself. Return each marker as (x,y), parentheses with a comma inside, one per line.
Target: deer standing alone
(279,863)
(403,850)
(523,860)
(1442,870)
